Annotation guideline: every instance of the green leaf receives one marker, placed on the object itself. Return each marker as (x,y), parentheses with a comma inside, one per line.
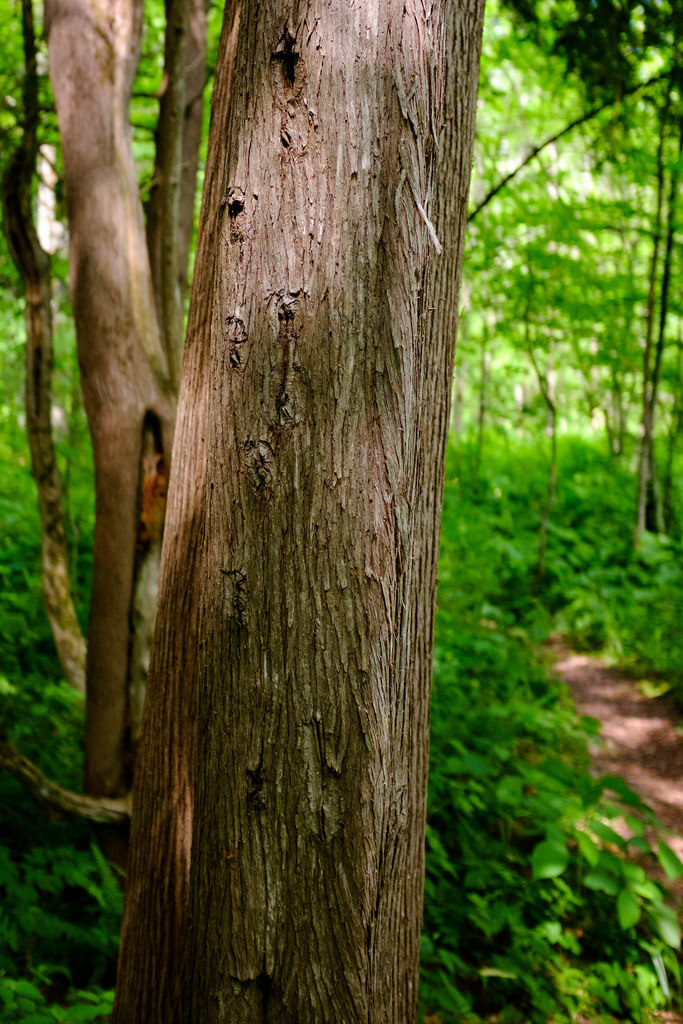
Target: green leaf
(667,924)
(669,861)
(549,860)
(617,785)
(86,1012)
(628,909)
(588,848)
(607,834)
(601,882)
(25,988)
(495,972)
(635,824)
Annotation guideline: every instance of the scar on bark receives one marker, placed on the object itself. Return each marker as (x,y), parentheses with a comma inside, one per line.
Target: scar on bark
(152,493)
(259,462)
(255,783)
(234,200)
(287,55)
(235,587)
(287,335)
(236,332)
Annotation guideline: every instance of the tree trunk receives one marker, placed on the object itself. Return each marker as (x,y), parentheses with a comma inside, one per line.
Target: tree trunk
(93,55)
(326,408)
(545,384)
(170,212)
(33,264)
(484,368)
(654,516)
(156,914)
(668,487)
(644,465)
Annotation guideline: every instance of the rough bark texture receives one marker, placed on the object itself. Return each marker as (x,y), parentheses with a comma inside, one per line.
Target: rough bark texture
(170,212)
(314,668)
(150,974)
(93,49)
(324,401)
(33,264)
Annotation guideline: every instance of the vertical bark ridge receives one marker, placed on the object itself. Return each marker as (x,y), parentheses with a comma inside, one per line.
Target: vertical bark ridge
(151,970)
(313,674)
(310,520)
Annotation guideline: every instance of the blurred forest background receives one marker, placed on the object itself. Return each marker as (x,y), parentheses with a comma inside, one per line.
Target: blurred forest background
(546,898)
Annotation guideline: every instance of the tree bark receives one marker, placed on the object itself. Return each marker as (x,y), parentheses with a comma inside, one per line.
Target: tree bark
(33,264)
(170,212)
(654,516)
(156,914)
(644,466)
(93,50)
(324,400)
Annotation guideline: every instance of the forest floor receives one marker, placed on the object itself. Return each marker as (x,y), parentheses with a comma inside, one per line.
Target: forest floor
(641,739)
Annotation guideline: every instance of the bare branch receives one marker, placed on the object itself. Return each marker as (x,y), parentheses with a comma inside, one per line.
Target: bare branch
(588,116)
(98,809)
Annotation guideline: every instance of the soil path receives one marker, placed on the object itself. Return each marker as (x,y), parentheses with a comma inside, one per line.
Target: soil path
(641,737)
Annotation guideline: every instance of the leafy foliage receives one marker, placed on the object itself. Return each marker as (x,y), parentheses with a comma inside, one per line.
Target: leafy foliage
(538,905)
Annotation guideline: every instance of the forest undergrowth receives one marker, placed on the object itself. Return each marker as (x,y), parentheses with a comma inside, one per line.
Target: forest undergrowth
(547,894)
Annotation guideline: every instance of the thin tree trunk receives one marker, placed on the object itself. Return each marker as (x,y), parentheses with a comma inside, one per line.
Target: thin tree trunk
(481,415)
(646,423)
(170,212)
(668,505)
(654,518)
(156,915)
(327,398)
(550,494)
(547,391)
(129,402)
(33,264)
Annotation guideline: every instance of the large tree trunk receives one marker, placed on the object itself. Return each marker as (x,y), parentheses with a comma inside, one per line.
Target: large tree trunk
(33,264)
(93,51)
(324,406)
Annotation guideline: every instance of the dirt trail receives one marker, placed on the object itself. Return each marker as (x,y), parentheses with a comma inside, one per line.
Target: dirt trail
(641,737)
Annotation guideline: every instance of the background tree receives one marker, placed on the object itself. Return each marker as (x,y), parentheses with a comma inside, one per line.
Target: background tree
(33,265)
(124,369)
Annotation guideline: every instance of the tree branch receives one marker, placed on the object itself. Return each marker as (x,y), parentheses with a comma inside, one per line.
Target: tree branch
(588,116)
(98,809)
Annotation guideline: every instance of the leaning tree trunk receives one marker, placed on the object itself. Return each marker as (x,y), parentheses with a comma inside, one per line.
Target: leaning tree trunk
(93,51)
(324,399)
(33,264)
(156,914)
